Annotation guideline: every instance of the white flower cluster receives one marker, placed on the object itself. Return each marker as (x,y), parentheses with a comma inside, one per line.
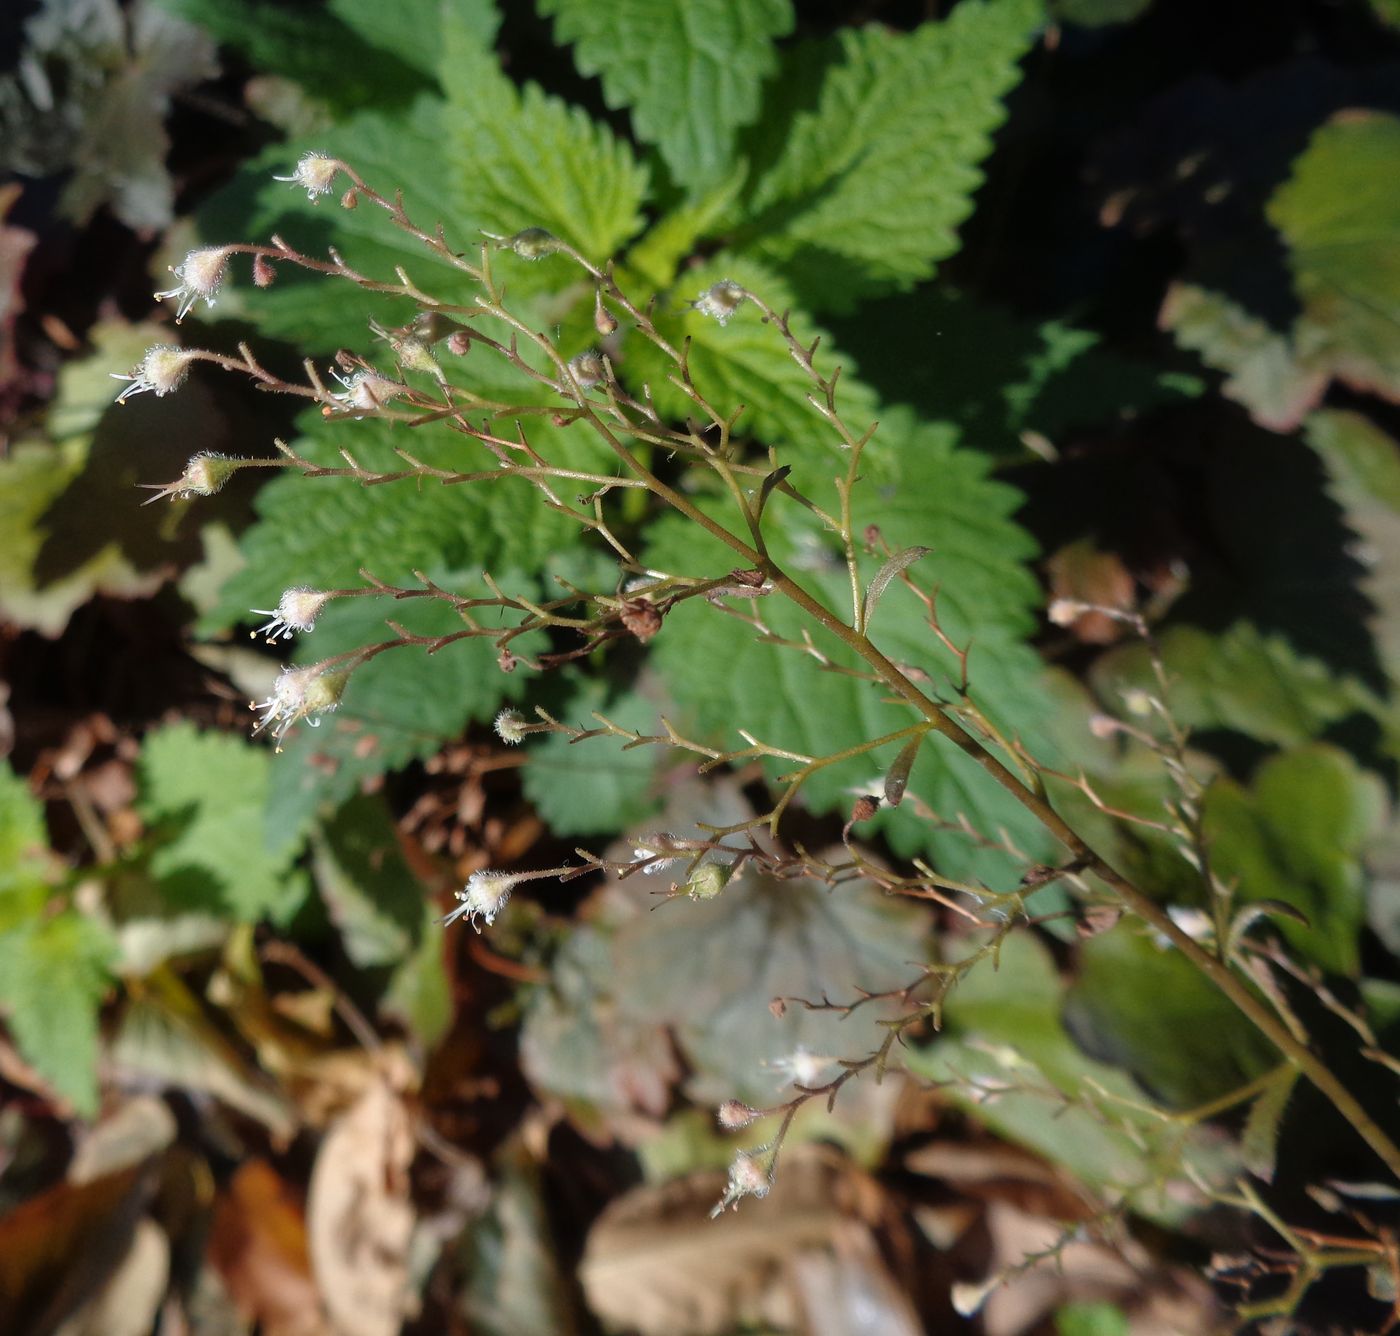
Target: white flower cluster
(483,897)
(314,173)
(162,370)
(296,610)
(748,1177)
(201,274)
(721,300)
(300,693)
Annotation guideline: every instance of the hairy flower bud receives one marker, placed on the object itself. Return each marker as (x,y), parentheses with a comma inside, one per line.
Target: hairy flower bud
(365,392)
(264,272)
(315,173)
(721,300)
(533,243)
(510,727)
(162,370)
(732,1115)
(204,474)
(201,274)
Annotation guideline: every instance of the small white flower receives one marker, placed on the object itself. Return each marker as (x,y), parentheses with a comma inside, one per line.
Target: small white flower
(484,896)
(654,853)
(734,1113)
(300,693)
(296,610)
(747,1178)
(721,300)
(365,391)
(315,173)
(201,274)
(801,1067)
(161,370)
(510,727)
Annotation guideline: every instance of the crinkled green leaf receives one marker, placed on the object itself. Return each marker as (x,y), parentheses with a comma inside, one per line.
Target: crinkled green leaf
(205,793)
(920,489)
(1340,217)
(690,71)
(746,362)
(54,972)
(863,184)
(24,840)
(371,895)
(521,158)
(1297,835)
(596,786)
(1142,1006)
(1239,679)
(1003,1030)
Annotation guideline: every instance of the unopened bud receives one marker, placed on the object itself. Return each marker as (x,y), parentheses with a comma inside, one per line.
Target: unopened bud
(603,320)
(1066,611)
(733,1115)
(641,618)
(264,274)
(510,727)
(459,343)
(708,880)
(204,474)
(350,199)
(864,808)
(534,243)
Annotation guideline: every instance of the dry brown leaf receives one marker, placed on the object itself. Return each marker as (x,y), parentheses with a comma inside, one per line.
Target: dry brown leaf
(128,1303)
(258,1244)
(360,1219)
(655,1263)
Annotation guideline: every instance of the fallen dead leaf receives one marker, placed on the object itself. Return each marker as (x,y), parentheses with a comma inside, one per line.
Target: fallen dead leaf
(360,1220)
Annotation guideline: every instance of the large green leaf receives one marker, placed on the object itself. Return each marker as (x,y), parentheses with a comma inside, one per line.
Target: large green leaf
(54,972)
(1340,216)
(206,793)
(919,489)
(690,71)
(868,159)
(1297,835)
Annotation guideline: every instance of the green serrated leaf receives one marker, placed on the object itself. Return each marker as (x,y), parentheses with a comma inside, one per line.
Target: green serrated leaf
(1340,218)
(54,973)
(321,532)
(206,793)
(595,786)
(690,71)
(24,840)
(1297,835)
(521,158)
(920,490)
(863,191)
(420,993)
(1239,679)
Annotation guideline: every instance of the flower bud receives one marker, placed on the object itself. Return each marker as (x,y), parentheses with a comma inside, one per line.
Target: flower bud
(264,272)
(204,474)
(708,880)
(603,320)
(721,300)
(162,370)
(732,1115)
(534,243)
(459,343)
(510,727)
(748,1177)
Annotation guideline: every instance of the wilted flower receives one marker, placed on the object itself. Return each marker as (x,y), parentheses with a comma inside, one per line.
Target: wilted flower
(296,610)
(201,274)
(801,1067)
(510,727)
(588,368)
(300,693)
(366,391)
(721,300)
(204,474)
(161,370)
(484,896)
(315,173)
(747,1178)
